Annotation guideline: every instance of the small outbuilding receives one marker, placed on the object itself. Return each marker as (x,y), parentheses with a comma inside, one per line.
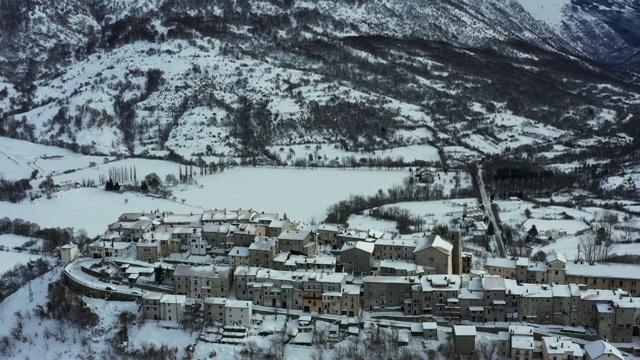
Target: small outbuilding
(464,339)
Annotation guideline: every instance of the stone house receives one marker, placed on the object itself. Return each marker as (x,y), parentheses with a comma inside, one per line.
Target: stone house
(68,253)
(464,339)
(276,227)
(298,242)
(434,252)
(238,256)
(245,233)
(216,235)
(560,348)
(357,257)
(262,251)
(395,249)
(328,233)
(202,281)
(601,350)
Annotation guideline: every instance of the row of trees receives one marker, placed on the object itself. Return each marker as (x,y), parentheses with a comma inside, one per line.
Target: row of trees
(407,223)
(52,238)
(20,274)
(408,191)
(14,191)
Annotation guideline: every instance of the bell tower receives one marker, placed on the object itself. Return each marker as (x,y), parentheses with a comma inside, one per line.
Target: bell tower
(455,238)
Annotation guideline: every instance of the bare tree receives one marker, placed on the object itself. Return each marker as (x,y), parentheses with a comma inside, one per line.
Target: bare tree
(320,334)
(251,351)
(60,332)
(6,346)
(594,248)
(486,349)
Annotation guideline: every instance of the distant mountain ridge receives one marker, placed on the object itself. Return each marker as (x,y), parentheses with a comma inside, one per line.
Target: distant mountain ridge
(130,77)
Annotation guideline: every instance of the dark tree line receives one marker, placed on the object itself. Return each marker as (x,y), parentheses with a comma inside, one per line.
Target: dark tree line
(52,237)
(409,191)
(66,306)
(14,191)
(20,274)
(407,223)
(252,124)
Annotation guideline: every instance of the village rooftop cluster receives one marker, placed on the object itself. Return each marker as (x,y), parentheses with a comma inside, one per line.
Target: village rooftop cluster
(238,264)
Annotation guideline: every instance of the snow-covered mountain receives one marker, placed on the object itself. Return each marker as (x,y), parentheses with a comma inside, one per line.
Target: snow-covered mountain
(244,77)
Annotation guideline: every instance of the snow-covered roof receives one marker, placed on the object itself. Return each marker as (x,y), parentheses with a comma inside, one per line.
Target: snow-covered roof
(598,348)
(249,229)
(557,345)
(604,308)
(173,299)
(493,283)
(216,228)
(521,342)
(603,270)
(505,263)
(262,275)
(238,304)
(156,235)
(106,244)
(466,294)
(302,259)
(351,289)
(430,325)
(464,330)
(226,215)
(182,218)
(278,224)
(397,242)
(294,235)
(152,295)
(201,271)
(141,224)
(561,291)
(263,217)
(520,330)
(215,300)
(556,257)
(360,245)
(68,246)
(262,243)
(111,235)
(330,227)
(435,242)
(239,251)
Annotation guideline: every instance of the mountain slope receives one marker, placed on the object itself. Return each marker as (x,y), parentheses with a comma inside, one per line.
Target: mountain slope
(239,77)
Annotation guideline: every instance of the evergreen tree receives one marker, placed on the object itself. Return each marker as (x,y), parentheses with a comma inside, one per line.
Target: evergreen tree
(490,229)
(116,187)
(533,232)
(144,187)
(109,185)
(159,274)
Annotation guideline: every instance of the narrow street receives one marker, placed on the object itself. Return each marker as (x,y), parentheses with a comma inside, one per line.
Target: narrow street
(496,241)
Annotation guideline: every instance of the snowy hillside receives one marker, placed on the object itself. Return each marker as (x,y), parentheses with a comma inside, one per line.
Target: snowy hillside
(148,77)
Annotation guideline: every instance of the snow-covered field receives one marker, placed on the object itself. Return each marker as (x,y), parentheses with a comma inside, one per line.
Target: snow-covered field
(10,259)
(302,194)
(91,209)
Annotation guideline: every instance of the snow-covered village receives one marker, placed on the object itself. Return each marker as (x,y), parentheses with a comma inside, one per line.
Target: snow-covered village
(182,281)
(268,284)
